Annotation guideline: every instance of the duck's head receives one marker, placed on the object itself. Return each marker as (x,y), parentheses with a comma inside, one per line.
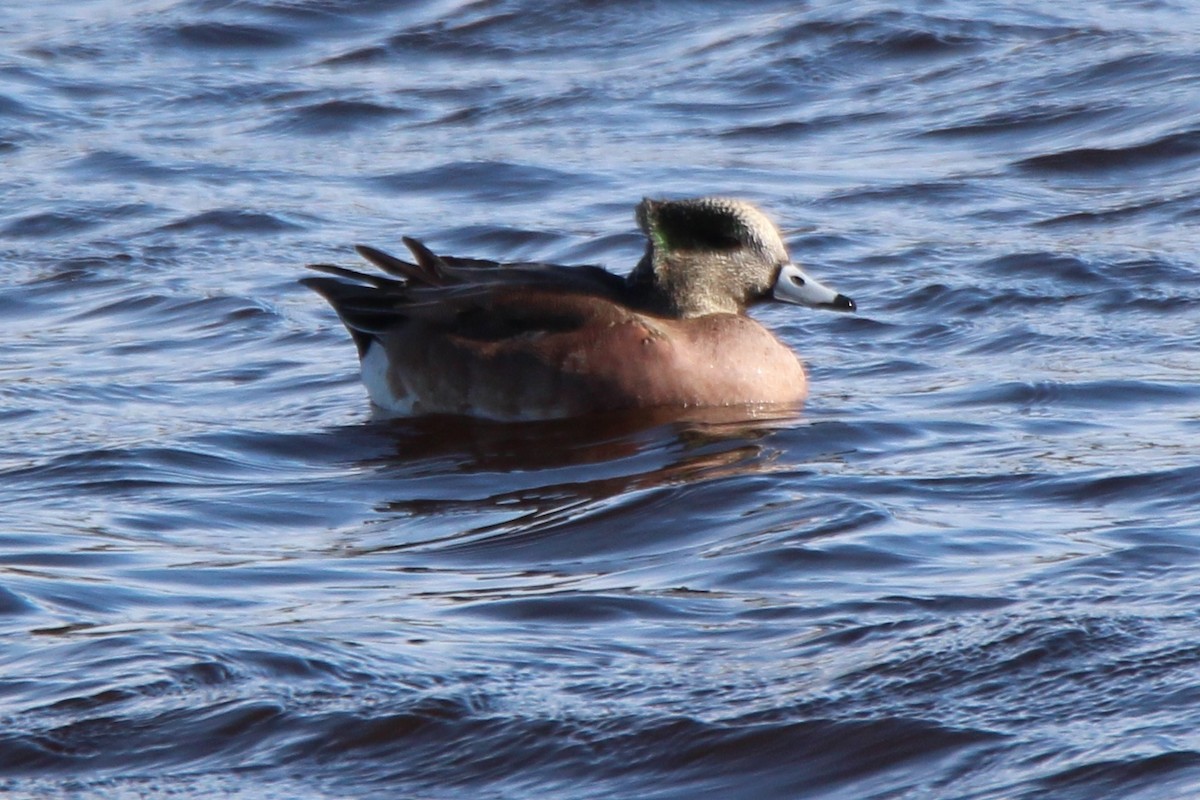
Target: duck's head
(711,255)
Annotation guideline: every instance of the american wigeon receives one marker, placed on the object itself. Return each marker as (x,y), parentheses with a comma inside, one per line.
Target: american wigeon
(523,340)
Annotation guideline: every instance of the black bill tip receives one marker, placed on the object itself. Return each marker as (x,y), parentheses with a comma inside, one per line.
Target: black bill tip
(842,303)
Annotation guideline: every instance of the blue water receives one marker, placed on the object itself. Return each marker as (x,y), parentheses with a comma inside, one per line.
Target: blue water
(969,569)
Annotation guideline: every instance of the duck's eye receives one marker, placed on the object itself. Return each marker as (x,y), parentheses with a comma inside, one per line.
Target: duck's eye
(797,280)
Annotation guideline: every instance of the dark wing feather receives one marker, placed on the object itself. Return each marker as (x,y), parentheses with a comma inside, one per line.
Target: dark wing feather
(467,297)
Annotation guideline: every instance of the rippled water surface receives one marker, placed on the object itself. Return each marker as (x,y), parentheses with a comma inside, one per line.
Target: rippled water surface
(969,569)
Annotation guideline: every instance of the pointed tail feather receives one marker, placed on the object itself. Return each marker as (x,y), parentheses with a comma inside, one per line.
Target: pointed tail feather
(420,272)
(364,310)
(378,281)
(429,262)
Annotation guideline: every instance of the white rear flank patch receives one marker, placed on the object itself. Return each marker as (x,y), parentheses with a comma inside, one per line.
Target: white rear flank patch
(379,388)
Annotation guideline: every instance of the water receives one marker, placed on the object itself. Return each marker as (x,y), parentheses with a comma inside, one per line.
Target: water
(969,569)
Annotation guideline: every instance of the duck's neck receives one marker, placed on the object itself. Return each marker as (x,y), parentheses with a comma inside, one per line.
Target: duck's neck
(674,290)
(648,291)
(641,279)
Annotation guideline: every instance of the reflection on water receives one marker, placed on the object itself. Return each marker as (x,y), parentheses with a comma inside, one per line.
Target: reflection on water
(560,474)
(483,445)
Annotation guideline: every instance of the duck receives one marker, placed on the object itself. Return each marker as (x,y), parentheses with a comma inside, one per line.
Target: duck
(528,341)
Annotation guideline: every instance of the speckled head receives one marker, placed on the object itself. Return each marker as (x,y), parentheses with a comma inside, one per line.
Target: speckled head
(711,255)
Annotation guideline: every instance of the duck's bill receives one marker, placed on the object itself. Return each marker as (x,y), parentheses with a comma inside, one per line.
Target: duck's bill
(793,286)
